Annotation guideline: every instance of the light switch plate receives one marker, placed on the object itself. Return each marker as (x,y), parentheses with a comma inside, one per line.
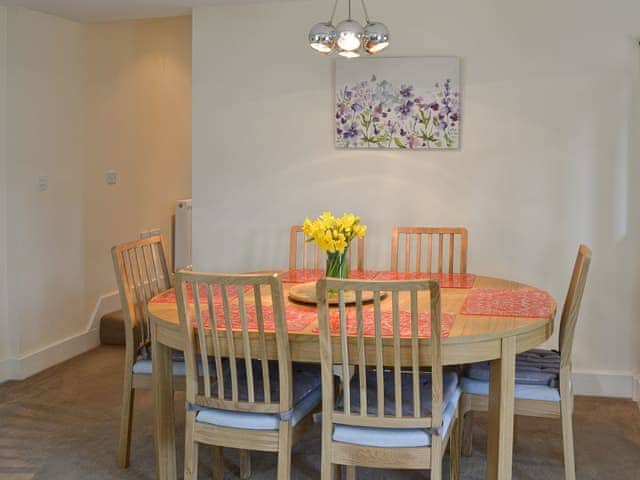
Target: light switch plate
(42,183)
(111,176)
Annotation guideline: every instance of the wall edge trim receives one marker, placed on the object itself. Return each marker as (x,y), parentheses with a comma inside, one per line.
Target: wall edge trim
(57,352)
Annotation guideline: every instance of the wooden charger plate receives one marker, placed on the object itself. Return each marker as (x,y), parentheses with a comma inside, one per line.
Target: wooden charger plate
(306,293)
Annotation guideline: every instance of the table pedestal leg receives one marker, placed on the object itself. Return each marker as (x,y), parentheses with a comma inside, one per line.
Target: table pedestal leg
(164,422)
(501,408)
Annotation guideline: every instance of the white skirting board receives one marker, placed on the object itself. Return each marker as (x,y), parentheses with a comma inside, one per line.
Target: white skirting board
(636,388)
(605,383)
(34,362)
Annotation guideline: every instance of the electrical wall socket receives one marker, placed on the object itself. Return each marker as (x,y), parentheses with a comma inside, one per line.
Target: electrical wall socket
(111,177)
(144,234)
(42,183)
(154,232)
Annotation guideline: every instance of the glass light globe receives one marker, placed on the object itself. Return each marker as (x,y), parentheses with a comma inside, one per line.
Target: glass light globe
(376,37)
(348,54)
(349,35)
(322,37)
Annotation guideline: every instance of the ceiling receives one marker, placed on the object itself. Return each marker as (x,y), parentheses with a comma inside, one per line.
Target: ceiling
(105,10)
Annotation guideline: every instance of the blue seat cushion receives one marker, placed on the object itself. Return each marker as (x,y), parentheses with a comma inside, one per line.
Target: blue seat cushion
(307,394)
(397,437)
(142,366)
(306,377)
(524,392)
(449,380)
(534,367)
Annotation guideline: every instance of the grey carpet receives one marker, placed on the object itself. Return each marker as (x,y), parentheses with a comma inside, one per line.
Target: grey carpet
(62,424)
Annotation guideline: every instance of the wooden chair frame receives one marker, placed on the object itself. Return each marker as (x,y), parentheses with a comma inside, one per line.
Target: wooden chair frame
(142,271)
(313,257)
(234,345)
(403,355)
(540,408)
(418,233)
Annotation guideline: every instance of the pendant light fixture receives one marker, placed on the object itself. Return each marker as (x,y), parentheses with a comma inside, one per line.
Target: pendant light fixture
(348,38)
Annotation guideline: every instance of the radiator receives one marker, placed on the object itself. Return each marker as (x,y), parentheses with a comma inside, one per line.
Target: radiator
(182,241)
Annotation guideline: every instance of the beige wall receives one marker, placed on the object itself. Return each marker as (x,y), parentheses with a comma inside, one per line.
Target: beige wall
(139,125)
(5,340)
(545,161)
(82,99)
(46,135)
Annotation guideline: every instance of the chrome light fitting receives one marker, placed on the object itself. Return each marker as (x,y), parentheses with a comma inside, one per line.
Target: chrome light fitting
(348,37)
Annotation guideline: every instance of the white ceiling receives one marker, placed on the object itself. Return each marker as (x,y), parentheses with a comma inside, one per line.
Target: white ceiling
(104,10)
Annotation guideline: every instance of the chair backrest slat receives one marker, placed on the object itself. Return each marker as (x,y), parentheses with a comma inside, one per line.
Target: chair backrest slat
(444,255)
(202,339)
(379,352)
(362,359)
(217,357)
(397,364)
(264,362)
(572,302)
(415,354)
(237,342)
(140,274)
(308,256)
(403,352)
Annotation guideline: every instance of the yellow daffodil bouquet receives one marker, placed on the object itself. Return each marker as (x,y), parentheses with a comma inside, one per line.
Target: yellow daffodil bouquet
(334,235)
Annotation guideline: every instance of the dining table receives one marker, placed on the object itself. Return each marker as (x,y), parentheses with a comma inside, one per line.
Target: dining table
(483,319)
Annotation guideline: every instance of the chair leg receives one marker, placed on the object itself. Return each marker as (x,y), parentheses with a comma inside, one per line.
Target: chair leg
(126,416)
(284,451)
(245,464)
(328,470)
(436,457)
(218,463)
(191,450)
(351,472)
(454,449)
(467,434)
(566,417)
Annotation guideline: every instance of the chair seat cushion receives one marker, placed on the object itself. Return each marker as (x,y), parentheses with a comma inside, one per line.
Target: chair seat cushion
(307,394)
(143,364)
(534,367)
(398,437)
(449,380)
(524,392)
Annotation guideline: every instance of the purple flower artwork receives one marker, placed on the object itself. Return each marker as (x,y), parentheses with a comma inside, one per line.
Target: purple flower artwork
(400,103)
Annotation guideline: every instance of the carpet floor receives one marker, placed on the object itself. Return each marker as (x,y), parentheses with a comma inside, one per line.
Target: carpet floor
(62,424)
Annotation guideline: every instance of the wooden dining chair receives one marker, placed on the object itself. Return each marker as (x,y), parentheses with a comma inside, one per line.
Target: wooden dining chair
(391,413)
(141,270)
(543,377)
(307,256)
(251,396)
(426,249)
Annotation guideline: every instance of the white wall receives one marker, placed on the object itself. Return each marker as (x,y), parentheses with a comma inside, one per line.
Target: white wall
(547,158)
(46,82)
(5,343)
(82,99)
(139,117)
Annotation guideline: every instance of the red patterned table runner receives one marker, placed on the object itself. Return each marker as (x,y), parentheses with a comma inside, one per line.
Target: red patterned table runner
(508,303)
(446,280)
(170,295)
(369,328)
(298,317)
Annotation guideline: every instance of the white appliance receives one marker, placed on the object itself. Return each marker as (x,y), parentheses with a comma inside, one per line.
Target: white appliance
(182,235)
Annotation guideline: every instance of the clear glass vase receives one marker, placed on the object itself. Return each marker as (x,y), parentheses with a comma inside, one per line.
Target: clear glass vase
(338,264)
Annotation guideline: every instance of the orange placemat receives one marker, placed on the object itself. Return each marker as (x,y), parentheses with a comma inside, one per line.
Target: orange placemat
(508,303)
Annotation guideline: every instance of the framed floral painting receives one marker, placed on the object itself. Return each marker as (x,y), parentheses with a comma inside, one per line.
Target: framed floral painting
(400,103)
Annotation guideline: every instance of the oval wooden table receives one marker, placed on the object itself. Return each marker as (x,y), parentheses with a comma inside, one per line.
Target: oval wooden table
(471,338)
